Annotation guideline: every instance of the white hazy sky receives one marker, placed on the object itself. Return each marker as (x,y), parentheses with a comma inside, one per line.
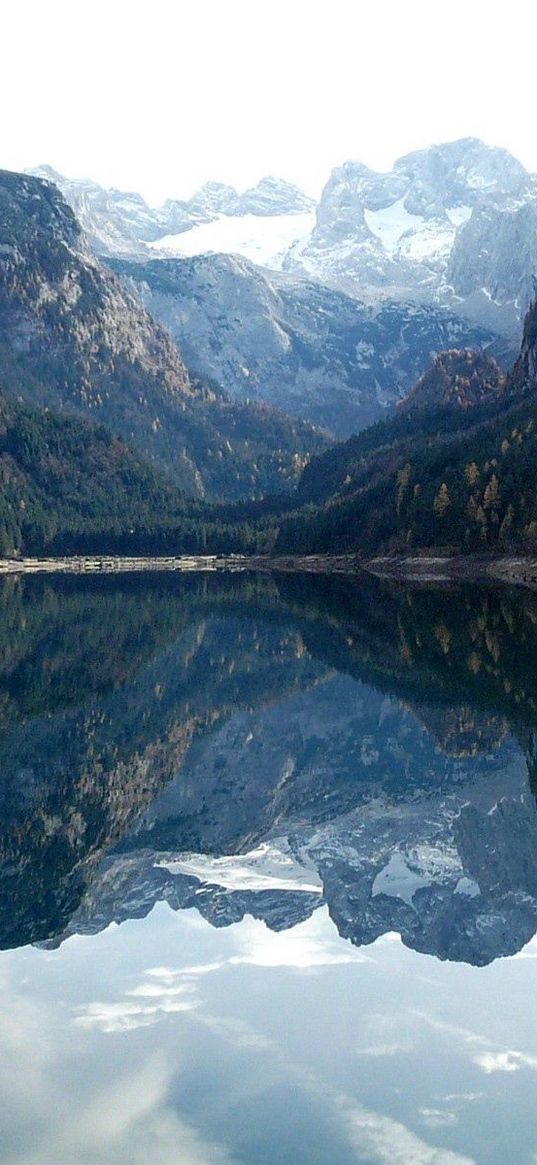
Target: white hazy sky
(163,95)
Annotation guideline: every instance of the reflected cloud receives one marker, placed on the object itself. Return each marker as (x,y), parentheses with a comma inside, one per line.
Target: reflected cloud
(380,1140)
(108,1112)
(129,1014)
(395,1049)
(236,1031)
(437,1118)
(505,1061)
(492,1058)
(169,974)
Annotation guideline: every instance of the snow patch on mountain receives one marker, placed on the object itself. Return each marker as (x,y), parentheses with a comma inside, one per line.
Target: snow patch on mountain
(262,239)
(443,224)
(269,867)
(421,867)
(431,242)
(391,223)
(458,215)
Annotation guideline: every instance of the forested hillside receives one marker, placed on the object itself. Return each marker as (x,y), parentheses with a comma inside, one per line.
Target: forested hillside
(73,338)
(457,471)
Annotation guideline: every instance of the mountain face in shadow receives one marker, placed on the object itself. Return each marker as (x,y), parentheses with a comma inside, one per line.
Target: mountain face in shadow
(261,746)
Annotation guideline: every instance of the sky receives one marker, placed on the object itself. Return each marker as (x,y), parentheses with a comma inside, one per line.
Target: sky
(160,97)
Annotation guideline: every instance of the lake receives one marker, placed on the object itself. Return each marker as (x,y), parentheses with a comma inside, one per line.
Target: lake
(268,863)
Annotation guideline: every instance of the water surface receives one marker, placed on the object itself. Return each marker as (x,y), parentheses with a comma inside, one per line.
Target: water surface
(268,866)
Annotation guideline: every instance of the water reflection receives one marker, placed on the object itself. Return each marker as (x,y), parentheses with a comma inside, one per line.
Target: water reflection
(168,1042)
(267,748)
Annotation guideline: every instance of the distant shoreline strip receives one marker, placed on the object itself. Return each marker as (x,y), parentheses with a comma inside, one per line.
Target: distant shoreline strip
(423,569)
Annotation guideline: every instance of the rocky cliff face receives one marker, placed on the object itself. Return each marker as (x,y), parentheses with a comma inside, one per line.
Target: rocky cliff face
(272,196)
(117,222)
(311,351)
(114,221)
(74,338)
(454,224)
(524,375)
(457,222)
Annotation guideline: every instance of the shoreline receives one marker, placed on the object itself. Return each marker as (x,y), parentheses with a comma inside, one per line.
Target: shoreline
(511,569)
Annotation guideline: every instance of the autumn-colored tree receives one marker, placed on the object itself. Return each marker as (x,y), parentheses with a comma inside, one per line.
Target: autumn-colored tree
(490,496)
(442,501)
(471,473)
(403,478)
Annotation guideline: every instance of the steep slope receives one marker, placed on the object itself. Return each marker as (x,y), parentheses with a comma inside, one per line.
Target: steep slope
(459,378)
(73,338)
(62,479)
(115,222)
(456,221)
(442,476)
(292,343)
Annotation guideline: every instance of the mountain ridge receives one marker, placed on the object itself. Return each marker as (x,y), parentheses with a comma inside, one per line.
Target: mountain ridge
(73,338)
(290,342)
(456,222)
(121,222)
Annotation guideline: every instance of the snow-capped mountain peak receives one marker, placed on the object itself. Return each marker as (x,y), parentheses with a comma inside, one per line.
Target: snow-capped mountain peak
(444,224)
(262,222)
(452,224)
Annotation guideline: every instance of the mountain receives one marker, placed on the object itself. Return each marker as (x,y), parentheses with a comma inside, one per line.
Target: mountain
(273,196)
(74,339)
(455,222)
(114,221)
(455,475)
(457,378)
(120,223)
(292,343)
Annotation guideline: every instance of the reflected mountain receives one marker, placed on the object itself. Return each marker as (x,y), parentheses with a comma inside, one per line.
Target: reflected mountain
(262,745)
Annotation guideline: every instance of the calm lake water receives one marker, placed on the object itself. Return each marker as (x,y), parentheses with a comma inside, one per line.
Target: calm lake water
(268,862)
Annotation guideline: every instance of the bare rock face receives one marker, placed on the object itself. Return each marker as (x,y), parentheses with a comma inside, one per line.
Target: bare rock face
(456,222)
(293,343)
(114,221)
(272,196)
(524,375)
(495,254)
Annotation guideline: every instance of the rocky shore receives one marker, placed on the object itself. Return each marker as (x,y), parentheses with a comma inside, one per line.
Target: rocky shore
(418,569)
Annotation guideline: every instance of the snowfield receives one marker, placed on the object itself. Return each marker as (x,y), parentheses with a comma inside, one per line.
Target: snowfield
(262,239)
(391,223)
(269,867)
(412,236)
